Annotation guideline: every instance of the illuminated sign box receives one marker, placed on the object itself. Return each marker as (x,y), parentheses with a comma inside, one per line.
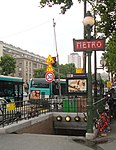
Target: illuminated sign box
(77,85)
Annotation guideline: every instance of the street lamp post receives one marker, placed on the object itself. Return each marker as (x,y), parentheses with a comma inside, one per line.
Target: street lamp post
(88,22)
(84,53)
(95,65)
(59,87)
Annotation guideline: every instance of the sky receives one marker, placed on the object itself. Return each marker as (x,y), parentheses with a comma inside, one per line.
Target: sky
(24,24)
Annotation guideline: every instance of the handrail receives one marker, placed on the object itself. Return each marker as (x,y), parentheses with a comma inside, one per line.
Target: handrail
(99,101)
(99,106)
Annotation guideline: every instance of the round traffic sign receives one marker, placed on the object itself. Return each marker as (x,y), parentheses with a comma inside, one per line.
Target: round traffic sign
(49,76)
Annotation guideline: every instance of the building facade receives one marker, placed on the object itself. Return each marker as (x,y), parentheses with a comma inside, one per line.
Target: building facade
(75,58)
(26,61)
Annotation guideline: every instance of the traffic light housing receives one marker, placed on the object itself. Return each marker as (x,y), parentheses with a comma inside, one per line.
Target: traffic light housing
(54,64)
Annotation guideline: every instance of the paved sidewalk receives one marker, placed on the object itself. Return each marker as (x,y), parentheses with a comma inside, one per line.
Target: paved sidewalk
(54,142)
(38,142)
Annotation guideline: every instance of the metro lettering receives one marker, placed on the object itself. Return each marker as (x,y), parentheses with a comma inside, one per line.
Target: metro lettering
(99,44)
(80,45)
(93,45)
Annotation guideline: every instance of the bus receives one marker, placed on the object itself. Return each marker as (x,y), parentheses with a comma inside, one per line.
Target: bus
(11,88)
(39,88)
(55,87)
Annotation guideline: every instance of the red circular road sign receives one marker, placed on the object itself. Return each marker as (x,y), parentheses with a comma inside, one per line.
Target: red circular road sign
(49,76)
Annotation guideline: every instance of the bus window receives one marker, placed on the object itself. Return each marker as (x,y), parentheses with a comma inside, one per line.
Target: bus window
(9,87)
(39,83)
(55,88)
(1,90)
(20,92)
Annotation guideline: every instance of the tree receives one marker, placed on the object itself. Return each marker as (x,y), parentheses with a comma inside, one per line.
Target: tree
(110,54)
(67,69)
(7,64)
(65,4)
(39,73)
(106,10)
(64,70)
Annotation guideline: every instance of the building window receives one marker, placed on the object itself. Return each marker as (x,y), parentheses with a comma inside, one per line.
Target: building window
(26,63)
(29,64)
(20,74)
(20,69)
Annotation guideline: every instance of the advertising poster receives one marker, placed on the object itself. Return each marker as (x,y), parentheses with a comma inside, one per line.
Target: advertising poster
(77,85)
(35,94)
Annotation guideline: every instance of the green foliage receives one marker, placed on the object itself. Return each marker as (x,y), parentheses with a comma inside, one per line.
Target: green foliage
(39,73)
(65,4)
(67,69)
(106,9)
(64,70)
(7,64)
(110,54)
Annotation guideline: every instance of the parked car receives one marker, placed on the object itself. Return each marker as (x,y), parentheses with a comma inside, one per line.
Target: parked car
(5,114)
(2,103)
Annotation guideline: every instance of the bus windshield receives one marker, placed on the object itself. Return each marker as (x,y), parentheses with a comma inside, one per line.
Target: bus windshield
(39,83)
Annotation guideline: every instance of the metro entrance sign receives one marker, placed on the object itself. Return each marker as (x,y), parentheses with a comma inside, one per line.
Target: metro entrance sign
(87,45)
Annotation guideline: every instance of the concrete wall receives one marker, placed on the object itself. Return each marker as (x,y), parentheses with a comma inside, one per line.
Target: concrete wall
(45,124)
(42,124)
(42,127)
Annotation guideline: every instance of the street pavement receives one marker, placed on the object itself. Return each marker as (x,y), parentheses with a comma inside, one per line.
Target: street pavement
(56,142)
(38,142)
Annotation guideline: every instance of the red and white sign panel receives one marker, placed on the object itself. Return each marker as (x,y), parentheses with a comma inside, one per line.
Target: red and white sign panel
(49,76)
(85,45)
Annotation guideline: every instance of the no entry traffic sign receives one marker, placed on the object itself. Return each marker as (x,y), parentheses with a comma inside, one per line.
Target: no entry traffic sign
(49,76)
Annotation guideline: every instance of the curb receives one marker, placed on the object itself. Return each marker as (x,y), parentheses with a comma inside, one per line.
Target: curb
(100,141)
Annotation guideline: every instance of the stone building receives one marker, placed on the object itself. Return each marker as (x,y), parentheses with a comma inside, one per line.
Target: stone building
(26,61)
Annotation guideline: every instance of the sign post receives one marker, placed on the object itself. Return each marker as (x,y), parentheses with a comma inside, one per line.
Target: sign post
(88,46)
